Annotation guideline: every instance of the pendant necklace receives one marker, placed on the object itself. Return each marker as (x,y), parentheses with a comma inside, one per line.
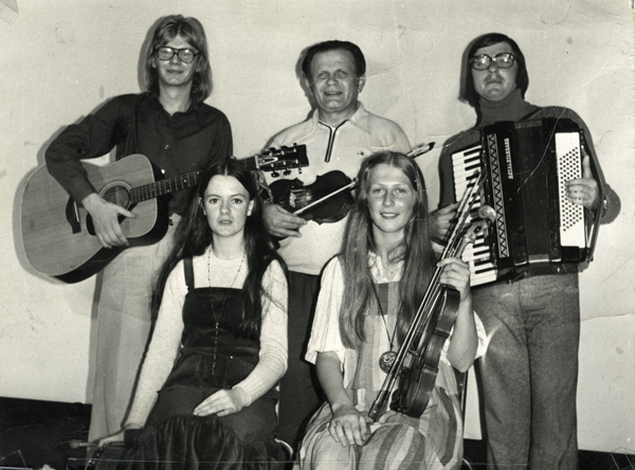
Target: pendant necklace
(217,316)
(387,359)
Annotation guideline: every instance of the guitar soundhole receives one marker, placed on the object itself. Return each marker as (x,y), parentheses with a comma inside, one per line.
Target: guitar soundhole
(119,195)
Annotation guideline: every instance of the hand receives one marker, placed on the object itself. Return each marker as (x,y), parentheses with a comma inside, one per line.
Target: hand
(223,403)
(441,221)
(281,223)
(348,427)
(456,273)
(105,217)
(116,437)
(583,191)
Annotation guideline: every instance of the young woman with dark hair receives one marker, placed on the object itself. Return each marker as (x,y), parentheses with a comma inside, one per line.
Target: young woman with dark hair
(219,344)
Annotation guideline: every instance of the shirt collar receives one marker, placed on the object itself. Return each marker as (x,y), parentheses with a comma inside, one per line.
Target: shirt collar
(358,119)
(152,99)
(378,272)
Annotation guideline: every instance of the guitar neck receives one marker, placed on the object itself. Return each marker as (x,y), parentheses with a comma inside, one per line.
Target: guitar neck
(163,187)
(177,183)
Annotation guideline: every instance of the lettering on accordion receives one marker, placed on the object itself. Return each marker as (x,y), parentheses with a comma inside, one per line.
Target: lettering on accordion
(536,230)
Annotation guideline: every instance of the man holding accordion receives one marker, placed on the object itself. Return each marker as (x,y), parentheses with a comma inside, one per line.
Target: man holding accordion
(527,270)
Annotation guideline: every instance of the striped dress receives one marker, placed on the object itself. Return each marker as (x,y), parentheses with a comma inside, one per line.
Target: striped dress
(433,441)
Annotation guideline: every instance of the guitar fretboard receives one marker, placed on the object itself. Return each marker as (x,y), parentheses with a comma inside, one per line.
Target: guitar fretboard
(163,187)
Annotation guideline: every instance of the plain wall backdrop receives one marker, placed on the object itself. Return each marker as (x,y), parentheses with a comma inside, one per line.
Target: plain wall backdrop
(61,60)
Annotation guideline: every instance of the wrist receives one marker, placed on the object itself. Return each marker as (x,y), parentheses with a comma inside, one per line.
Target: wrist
(338,407)
(89,201)
(242,397)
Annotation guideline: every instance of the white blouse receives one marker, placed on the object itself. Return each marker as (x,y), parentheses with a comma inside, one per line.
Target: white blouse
(325,332)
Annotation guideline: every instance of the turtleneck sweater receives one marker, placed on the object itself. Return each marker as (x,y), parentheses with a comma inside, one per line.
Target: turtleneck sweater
(512,108)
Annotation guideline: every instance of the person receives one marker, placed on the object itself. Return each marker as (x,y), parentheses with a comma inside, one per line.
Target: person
(529,373)
(369,295)
(338,135)
(218,348)
(171,125)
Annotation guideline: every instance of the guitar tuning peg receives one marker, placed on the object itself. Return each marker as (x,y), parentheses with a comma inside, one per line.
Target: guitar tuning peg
(300,170)
(286,172)
(275,174)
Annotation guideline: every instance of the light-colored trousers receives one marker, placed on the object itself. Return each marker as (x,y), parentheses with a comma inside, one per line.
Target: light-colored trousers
(529,372)
(123,326)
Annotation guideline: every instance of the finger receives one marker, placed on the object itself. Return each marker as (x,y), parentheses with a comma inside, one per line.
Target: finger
(452,261)
(577,193)
(457,277)
(365,430)
(212,404)
(333,432)
(294,220)
(454,279)
(352,434)
(341,433)
(290,225)
(586,166)
(114,236)
(357,435)
(102,241)
(450,208)
(118,237)
(208,407)
(105,441)
(284,233)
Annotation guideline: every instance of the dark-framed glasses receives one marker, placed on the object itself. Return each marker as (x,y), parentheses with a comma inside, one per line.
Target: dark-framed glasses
(185,55)
(504,60)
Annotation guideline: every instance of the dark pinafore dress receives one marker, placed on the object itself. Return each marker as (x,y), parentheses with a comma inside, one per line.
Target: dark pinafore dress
(173,438)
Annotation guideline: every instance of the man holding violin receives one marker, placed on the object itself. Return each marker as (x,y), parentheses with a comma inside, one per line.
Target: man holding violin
(338,135)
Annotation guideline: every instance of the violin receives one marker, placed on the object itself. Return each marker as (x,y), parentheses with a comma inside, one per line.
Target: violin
(327,200)
(416,364)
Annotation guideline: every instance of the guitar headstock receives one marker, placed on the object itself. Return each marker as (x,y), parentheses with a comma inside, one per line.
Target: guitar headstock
(283,158)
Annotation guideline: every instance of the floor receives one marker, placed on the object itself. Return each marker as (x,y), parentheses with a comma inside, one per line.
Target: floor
(34,433)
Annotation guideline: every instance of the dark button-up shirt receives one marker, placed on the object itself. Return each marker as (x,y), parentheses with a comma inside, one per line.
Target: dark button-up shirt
(176,144)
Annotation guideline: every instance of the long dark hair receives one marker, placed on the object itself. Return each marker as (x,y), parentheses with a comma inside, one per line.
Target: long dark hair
(415,250)
(193,236)
(522,77)
(166,29)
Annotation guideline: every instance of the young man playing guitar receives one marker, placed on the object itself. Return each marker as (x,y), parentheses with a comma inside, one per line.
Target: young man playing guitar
(178,133)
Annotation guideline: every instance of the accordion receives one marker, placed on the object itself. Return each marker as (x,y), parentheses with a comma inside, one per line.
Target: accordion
(536,229)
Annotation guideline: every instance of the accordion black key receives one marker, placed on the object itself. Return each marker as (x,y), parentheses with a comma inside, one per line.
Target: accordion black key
(536,230)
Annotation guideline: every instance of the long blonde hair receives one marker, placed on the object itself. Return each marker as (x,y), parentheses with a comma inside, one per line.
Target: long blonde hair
(415,250)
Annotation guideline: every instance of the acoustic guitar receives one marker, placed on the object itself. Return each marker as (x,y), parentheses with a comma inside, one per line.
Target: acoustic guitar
(58,234)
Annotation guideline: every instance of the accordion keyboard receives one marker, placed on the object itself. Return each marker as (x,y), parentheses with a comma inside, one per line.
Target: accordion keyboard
(465,165)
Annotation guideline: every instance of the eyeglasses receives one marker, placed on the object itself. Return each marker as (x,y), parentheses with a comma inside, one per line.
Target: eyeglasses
(504,60)
(185,55)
